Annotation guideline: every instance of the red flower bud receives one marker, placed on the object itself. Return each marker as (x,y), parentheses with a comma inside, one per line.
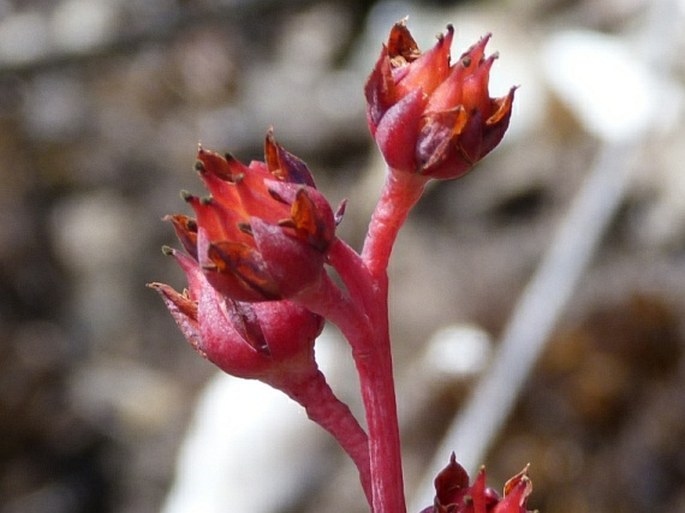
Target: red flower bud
(263,340)
(455,495)
(429,116)
(264,231)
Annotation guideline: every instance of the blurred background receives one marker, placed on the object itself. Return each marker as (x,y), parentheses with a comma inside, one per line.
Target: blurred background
(102,104)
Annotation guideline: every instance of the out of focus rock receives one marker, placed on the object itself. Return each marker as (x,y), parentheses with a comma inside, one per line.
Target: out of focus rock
(24,37)
(81,25)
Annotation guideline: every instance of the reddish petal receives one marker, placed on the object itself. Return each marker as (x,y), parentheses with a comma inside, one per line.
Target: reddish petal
(379,91)
(475,88)
(516,492)
(436,141)
(219,223)
(451,483)
(222,342)
(186,231)
(284,165)
(209,162)
(247,266)
(450,93)
(255,196)
(255,175)
(312,218)
(496,125)
(397,132)
(477,493)
(223,191)
(427,71)
(184,312)
(476,52)
(288,328)
(292,264)
(192,271)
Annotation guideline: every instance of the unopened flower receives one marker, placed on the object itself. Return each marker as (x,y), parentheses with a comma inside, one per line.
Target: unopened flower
(264,340)
(429,116)
(271,341)
(264,231)
(454,494)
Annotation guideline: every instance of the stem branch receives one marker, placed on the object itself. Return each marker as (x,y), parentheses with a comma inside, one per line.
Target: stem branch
(362,316)
(370,344)
(324,408)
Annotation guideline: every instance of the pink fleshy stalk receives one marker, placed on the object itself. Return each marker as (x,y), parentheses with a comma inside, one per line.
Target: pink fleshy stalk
(401,192)
(312,391)
(375,375)
(362,316)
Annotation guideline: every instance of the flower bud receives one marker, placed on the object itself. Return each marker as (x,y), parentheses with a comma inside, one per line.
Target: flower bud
(264,231)
(247,340)
(429,116)
(455,495)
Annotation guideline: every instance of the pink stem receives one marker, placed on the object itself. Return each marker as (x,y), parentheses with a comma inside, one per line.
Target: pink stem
(400,193)
(376,378)
(362,316)
(370,342)
(353,272)
(323,407)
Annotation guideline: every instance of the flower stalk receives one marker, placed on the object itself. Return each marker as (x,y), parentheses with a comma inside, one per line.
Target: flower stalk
(314,394)
(367,331)
(400,193)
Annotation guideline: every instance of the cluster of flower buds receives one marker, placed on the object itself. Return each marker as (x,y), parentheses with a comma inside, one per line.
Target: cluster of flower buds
(257,251)
(258,240)
(257,244)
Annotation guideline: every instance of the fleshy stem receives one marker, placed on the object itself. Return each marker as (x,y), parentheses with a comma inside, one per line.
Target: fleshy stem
(401,192)
(376,377)
(361,313)
(377,392)
(374,366)
(312,391)
(367,283)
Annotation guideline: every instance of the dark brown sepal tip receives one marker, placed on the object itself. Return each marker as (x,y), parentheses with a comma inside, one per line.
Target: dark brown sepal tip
(277,197)
(245,228)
